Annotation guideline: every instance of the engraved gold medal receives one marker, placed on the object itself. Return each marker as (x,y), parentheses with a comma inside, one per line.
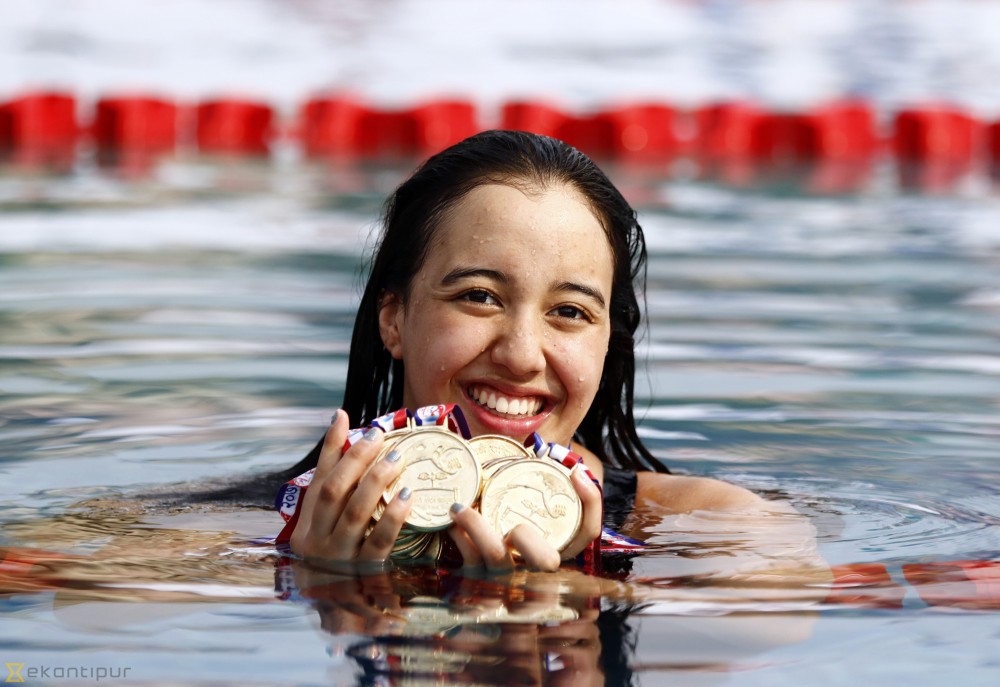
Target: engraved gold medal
(537,493)
(440,470)
(488,447)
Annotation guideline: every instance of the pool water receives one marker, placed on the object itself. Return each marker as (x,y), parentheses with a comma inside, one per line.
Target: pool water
(839,354)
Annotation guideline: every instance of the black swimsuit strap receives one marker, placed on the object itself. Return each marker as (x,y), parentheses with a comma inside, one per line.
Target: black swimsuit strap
(619,495)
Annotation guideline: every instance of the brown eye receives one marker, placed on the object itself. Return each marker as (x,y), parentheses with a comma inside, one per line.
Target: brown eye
(570,312)
(478,296)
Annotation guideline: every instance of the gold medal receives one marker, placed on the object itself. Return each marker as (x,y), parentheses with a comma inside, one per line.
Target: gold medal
(505,481)
(488,447)
(538,493)
(490,467)
(440,470)
(414,659)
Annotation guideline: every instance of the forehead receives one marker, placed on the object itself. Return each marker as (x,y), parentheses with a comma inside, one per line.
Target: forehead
(523,217)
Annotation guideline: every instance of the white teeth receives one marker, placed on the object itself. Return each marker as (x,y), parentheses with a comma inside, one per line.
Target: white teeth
(507,406)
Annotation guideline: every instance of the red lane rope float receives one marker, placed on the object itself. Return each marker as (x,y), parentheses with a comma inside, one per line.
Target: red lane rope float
(134,128)
(341,126)
(935,147)
(231,126)
(866,585)
(826,149)
(842,130)
(40,129)
(973,585)
(993,148)
(965,584)
(442,123)
(935,133)
(641,132)
(727,130)
(726,141)
(839,131)
(27,570)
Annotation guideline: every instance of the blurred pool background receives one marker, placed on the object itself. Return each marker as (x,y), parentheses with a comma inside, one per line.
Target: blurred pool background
(191,321)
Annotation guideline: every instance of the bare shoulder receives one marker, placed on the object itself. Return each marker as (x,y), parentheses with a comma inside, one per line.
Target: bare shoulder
(683,494)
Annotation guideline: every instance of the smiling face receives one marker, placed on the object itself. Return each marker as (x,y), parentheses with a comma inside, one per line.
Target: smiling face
(509,315)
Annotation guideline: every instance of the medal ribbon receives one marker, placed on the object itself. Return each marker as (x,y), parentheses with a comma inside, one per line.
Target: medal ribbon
(609,541)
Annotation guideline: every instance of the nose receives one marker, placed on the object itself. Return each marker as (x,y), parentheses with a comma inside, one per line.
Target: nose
(520,346)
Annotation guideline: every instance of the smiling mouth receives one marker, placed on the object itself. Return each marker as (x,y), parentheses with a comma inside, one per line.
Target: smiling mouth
(505,405)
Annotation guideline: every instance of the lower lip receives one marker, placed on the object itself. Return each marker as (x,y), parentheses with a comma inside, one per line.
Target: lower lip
(492,423)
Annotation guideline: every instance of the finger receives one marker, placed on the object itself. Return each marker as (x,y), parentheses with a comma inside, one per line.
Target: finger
(466,547)
(333,443)
(470,553)
(537,553)
(354,521)
(593,511)
(336,434)
(380,589)
(346,608)
(331,493)
(335,620)
(378,545)
(492,551)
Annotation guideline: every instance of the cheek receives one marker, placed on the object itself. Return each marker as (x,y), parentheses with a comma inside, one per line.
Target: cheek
(582,363)
(451,342)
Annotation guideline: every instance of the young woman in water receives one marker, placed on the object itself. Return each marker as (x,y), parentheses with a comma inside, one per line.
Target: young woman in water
(505,282)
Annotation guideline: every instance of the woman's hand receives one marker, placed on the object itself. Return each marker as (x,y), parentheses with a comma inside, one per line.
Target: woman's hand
(479,544)
(345,489)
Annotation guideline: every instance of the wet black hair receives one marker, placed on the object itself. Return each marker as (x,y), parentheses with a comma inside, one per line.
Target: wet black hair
(410,219)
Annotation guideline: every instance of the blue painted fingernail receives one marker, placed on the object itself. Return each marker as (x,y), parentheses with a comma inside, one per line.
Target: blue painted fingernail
(392,457)
(457,507)
(404,494)
(335,416)
(371,434)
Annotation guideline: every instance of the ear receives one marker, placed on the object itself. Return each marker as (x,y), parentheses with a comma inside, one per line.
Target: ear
(390,320)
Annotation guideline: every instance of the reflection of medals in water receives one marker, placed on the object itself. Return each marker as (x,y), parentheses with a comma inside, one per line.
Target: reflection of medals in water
(537,493)
(440,470)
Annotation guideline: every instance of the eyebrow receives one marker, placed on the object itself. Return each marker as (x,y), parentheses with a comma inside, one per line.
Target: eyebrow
(460,273)
(582,288)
